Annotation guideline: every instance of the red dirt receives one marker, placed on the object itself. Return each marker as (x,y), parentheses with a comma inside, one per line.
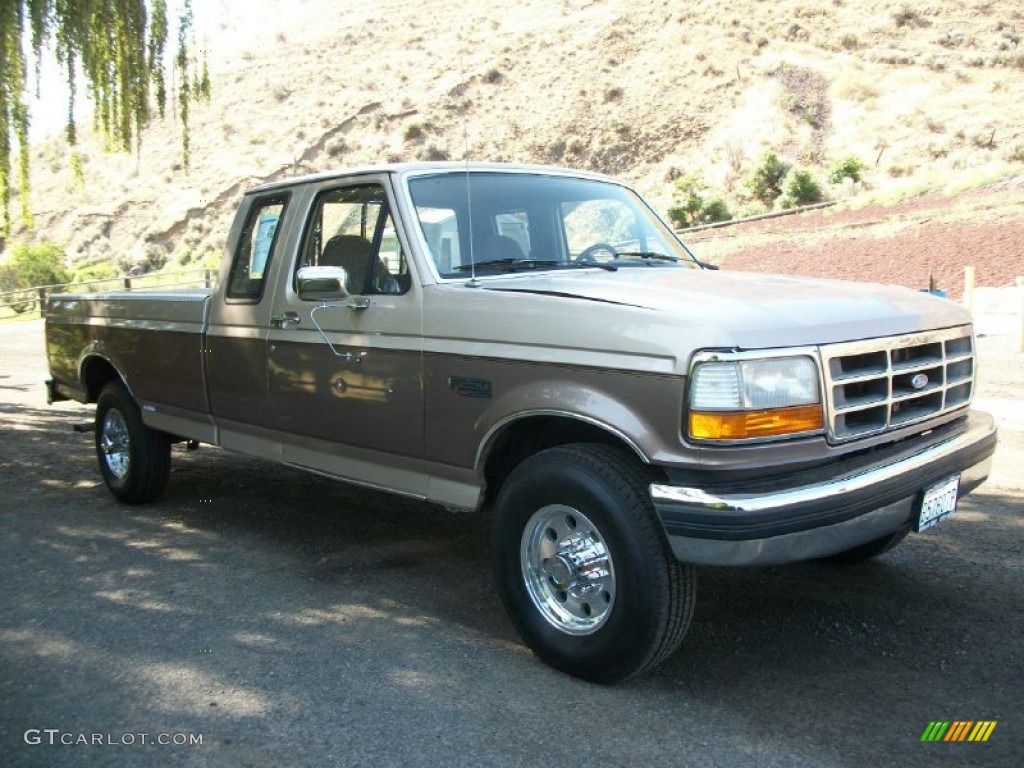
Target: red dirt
(904,243)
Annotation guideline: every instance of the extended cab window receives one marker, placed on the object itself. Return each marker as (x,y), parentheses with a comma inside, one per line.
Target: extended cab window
(255,248)
(352,228)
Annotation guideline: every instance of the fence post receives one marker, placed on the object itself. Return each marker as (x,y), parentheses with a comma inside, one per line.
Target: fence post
(969,288)
(1020,318)
(127,283)
(207,278)
(42,302)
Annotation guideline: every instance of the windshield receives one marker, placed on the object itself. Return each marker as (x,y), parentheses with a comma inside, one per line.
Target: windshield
(535,221)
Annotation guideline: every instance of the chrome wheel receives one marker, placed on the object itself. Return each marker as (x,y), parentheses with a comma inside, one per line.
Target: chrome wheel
(114,443)
(582,565)
(135,461)
(567,569)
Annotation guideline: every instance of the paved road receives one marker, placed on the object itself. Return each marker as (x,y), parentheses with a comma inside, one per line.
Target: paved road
(290,621)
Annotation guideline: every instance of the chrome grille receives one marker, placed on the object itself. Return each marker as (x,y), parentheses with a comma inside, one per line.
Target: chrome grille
(882,384)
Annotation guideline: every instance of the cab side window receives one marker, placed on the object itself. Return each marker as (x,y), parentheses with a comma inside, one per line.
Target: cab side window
(255,249)
(352,228)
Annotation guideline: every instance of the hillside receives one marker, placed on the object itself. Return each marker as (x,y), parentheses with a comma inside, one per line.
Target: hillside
(928,238)
(925,93)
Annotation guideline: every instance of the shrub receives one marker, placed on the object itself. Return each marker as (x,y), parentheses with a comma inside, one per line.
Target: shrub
(715,210)
(850,167)
(849,42)
(30,266)
(413,132)
(908,17)
(766,182)
(692,206)
(800,188)
(97,270)
(336,149)
(39,264)
(434,153)
(154,258)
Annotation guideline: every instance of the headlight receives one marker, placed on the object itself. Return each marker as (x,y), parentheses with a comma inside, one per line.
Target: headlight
(743,399)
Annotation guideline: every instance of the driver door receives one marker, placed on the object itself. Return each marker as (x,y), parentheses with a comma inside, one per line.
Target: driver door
(345,377)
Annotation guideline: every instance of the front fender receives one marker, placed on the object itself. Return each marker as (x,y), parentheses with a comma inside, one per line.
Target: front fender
(641,411)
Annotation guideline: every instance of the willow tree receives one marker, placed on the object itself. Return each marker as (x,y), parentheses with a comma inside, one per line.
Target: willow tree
(117,47)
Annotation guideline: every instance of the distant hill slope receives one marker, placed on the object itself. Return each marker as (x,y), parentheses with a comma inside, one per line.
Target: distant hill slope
(923,92)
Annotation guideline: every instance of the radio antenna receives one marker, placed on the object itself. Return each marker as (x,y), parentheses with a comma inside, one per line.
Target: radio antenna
(465,159)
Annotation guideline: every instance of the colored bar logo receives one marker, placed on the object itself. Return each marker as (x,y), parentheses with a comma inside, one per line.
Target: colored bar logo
(958,730)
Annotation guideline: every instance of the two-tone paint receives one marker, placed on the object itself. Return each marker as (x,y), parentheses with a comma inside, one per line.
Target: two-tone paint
(435,393)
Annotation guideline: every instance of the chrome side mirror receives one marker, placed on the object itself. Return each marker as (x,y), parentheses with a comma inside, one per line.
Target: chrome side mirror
(321,284)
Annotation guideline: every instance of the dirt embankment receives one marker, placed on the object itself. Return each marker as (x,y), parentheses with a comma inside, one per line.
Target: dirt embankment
(934,236)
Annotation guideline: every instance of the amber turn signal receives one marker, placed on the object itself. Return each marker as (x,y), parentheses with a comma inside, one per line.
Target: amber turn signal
(743,425)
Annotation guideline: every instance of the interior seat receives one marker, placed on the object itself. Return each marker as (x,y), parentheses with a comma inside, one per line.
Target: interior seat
(365,271)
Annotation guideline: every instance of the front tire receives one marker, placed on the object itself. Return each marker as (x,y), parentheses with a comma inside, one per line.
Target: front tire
(135,461)
(583,567)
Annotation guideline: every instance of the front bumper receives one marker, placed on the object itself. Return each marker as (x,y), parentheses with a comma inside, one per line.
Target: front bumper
(812,520)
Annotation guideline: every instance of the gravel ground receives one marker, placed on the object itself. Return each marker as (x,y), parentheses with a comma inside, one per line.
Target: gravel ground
(288,620)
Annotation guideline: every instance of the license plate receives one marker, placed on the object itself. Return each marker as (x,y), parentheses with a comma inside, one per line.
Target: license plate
(939,501)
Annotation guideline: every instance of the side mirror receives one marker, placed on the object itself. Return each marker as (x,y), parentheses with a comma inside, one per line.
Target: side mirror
(321,284)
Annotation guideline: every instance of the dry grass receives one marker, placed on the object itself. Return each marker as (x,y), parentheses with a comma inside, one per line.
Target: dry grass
(917,90)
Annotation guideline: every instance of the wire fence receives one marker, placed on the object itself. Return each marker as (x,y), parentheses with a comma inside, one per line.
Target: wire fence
(28,300)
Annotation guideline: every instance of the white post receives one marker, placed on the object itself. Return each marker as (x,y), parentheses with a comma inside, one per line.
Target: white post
(1020,319)
(969,288)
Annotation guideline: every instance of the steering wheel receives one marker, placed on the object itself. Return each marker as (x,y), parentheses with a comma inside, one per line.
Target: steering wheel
(589,254)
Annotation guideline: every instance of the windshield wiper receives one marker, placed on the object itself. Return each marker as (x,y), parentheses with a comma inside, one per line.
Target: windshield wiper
(646,255)
(514,265)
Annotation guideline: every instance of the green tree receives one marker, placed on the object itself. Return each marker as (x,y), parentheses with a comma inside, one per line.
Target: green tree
(765,183)
(117,45)
(30,266)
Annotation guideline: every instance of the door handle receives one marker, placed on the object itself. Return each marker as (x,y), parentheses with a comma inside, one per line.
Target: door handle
(282,321)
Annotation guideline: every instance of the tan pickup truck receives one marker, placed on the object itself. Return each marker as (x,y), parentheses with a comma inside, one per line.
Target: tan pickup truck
(538,343)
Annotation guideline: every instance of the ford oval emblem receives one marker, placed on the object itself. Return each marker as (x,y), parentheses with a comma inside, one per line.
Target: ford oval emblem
(920,381)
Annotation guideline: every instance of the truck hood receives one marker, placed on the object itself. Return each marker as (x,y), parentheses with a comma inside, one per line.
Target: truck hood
(754,310)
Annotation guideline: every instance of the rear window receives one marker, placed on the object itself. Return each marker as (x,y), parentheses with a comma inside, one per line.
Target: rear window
(256,249)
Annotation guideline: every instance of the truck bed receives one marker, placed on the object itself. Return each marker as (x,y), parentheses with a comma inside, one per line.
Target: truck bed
(120,328)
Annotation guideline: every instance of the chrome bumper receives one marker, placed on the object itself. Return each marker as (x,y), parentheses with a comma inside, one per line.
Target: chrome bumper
(820,519)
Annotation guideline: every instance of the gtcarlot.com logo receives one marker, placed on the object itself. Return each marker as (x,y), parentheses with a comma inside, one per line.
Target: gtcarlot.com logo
(55,737)
(958,730)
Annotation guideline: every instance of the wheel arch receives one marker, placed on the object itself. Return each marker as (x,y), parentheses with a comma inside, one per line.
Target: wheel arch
(514,439)
(95,372)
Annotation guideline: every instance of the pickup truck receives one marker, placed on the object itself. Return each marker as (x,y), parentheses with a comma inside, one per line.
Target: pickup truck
(538,344)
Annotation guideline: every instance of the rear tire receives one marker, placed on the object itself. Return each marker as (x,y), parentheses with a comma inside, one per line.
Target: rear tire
(135,461)
(583,567)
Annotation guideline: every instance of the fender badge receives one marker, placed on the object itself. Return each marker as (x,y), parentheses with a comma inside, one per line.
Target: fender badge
(467,387)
